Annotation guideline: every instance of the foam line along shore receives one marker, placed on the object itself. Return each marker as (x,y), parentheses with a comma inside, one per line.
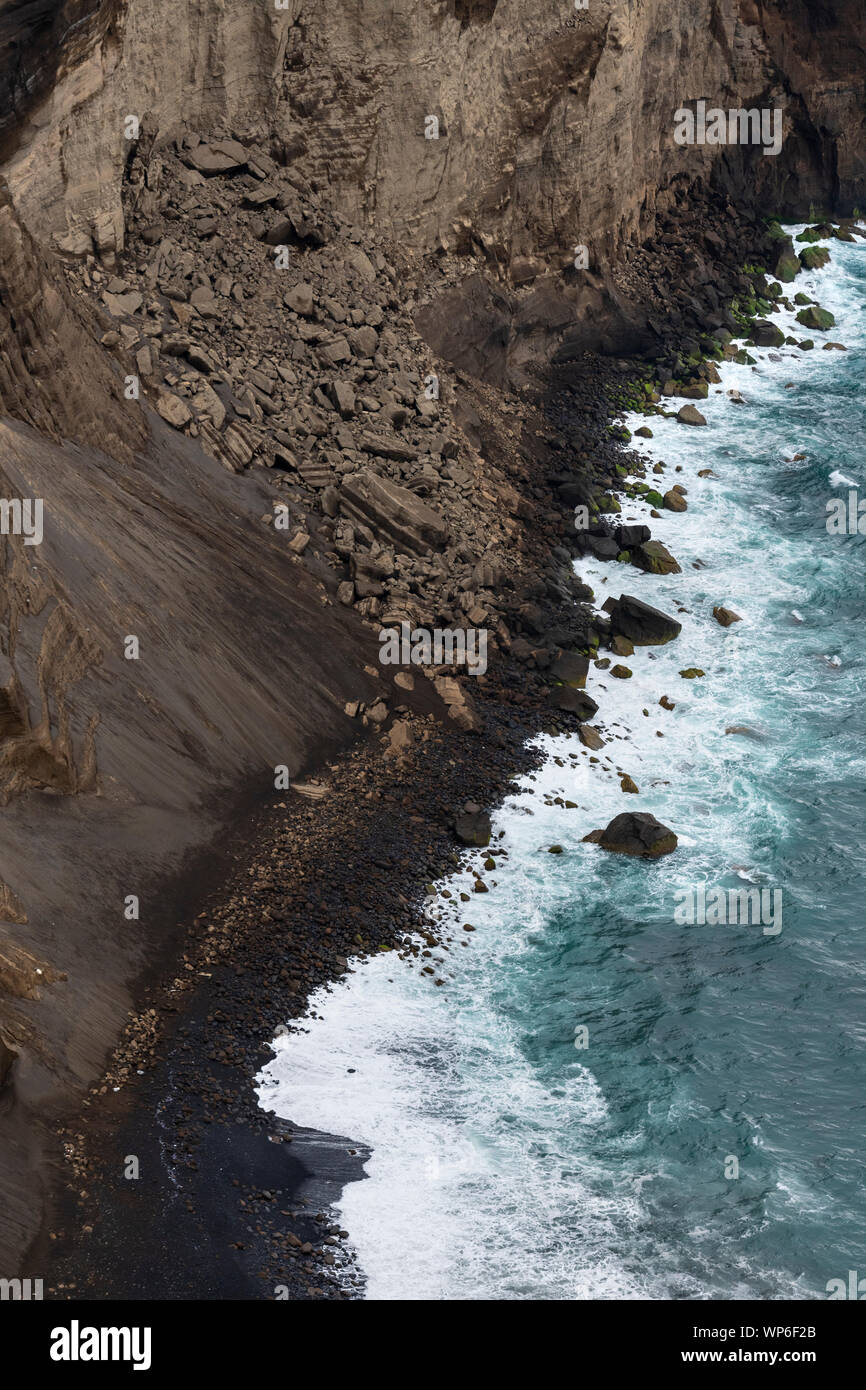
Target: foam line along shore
(509,1162)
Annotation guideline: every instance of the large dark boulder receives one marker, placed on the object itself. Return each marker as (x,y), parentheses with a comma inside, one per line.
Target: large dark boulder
(640,623)
(571,668)
(602,547)
(787,265)
(474,829)
(814,257)
(655,558)
(575,492)
(572,701)
(636,833)
(766,334)
(816,318)
(629,536)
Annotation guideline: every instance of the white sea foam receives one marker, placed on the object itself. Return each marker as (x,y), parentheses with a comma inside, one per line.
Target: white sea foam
(485,1179)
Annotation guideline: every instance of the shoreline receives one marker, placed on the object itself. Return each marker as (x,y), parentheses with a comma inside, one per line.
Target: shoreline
(227,1024)
(200,1097)
(383,1043)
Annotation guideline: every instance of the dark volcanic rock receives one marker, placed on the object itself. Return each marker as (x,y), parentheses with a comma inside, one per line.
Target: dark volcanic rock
(638,834)
(575,702)
(571,668)
(640,623)
(602,547)
(392,512)
(767,334)
(655,558)
(473,830)
(627,537)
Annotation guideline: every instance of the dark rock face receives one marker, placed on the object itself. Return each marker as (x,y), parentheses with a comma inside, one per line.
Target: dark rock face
(35,36)
(767,334)
(571,668)
(517,192)
(53,375)
(575,702)
(640,623)
(392,512)
(637,834)
(473,829)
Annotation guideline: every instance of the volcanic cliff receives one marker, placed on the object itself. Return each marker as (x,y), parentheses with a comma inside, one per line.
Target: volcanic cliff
(278,286)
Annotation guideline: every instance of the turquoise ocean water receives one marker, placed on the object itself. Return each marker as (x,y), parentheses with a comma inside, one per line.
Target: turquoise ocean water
(506,1162)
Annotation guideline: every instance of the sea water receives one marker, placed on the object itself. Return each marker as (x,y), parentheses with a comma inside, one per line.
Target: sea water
(708,1140)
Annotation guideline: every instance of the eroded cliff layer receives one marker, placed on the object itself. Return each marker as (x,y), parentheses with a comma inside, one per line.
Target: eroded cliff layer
(555,124)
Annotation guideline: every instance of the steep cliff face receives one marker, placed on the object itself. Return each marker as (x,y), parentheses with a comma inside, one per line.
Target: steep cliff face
(53,375)
(200,62)
(487,139)
(555,125)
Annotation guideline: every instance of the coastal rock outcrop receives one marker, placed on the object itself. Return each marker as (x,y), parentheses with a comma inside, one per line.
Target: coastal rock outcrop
(635,833)
(642,624)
